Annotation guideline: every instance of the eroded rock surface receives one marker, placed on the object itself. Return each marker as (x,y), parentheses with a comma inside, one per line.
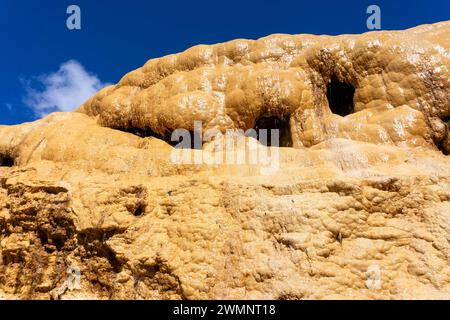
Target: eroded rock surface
(93,204)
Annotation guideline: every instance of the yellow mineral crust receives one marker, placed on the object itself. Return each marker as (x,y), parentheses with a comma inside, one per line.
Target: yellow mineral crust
(97,203)
(232,84)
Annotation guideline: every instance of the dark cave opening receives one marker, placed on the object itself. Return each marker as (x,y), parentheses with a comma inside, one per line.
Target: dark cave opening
(340,97)
(6,160)
(444,146)
(140,209)
(175,141)
(144,133)
(273,123)
(194,141)
(447,120)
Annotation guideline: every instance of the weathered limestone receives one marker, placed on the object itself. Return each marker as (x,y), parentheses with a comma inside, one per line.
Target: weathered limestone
(93,205)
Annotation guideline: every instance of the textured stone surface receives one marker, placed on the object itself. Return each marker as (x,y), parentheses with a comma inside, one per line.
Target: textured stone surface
(359,207)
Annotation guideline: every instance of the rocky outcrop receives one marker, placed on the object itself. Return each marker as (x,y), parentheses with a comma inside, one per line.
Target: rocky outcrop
(386,80)
(354,204)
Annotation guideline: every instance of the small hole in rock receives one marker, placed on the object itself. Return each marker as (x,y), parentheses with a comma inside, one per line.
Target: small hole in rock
(340,97)
(139,210)
(194,143)
(6,160)
(447,120)
(274,123)
(443,145)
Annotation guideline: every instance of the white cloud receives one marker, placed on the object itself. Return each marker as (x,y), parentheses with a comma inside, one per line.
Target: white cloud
(63,90)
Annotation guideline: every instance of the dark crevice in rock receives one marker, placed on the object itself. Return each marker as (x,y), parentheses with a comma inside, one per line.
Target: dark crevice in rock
(195,140)
(51,244)
(444,143)
(94,242)
(143,133)
(340,97)
(6,160)
(443,148)
(140,209)
(447,120)
(265,135)
(139,206)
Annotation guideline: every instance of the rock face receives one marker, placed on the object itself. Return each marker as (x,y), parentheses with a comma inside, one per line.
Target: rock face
(355,204)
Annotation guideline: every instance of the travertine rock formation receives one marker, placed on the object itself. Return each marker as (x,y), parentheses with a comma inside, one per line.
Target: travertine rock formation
(95,204)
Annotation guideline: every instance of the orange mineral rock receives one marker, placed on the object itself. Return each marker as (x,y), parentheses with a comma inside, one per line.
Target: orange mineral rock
(348,197)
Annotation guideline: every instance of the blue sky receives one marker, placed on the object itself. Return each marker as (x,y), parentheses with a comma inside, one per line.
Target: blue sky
(38,51)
